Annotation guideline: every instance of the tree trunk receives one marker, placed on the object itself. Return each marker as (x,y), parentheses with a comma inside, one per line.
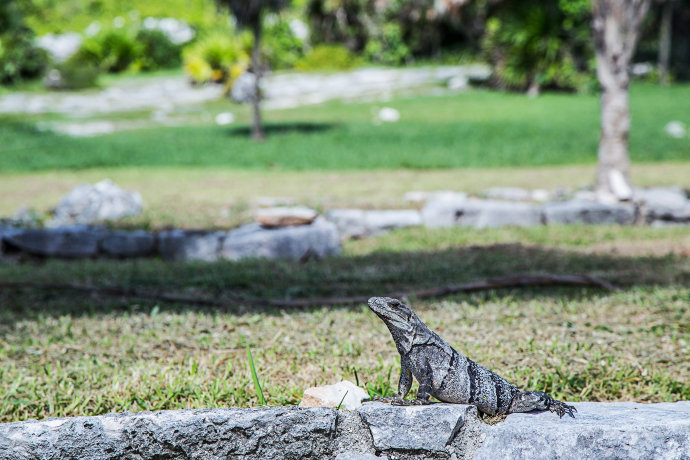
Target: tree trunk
(257,128)
(665,41)
(616,27)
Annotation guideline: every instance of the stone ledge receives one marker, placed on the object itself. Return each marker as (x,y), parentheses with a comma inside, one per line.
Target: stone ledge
(599,430)
(376,430)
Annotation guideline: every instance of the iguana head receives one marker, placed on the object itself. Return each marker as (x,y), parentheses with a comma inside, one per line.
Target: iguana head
(399,318)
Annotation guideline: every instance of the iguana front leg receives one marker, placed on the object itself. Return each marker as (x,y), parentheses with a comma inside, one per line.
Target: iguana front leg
(404,385)
(526,401)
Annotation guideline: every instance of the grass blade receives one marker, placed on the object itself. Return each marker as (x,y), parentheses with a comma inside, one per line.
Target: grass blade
(255,378)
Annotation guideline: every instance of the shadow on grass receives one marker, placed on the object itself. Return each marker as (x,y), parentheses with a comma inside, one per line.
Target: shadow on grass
(378,273)
(284,128)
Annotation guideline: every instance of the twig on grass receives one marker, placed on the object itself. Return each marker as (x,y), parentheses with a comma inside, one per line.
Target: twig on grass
(499,282)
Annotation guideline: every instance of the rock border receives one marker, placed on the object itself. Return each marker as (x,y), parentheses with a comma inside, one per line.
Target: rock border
(320,236)
(375,430)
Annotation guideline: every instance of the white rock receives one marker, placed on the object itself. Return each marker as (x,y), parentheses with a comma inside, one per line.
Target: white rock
(389,115)
(344,393)
(676,129)
(540,194)
(458,83)
(225,118)
(619,185)
(86,204)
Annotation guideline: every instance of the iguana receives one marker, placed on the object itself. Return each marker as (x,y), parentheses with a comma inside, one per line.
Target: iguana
(447,375)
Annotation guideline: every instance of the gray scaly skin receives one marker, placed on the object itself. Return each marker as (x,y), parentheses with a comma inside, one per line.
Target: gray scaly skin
(447,375)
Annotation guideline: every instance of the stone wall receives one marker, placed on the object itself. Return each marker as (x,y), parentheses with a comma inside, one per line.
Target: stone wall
(375,430)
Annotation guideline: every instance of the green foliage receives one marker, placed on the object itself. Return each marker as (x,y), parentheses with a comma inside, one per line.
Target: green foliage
(111,49)
(327,57)
(76,73)
(59,16)
(280,47)
(156,51)
(19,58)
(540,44)
(389,47)
(218,57)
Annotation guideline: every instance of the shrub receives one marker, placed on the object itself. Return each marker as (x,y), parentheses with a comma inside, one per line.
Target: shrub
(218,57)
(328,57)
(543,44)
(111,49)
(73,74)
(156,50)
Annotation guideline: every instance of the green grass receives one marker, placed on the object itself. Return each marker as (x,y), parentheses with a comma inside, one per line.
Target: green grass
(63,353)
(474,129)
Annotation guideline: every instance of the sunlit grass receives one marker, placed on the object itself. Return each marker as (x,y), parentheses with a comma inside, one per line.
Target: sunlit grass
(474,129)
(63,353)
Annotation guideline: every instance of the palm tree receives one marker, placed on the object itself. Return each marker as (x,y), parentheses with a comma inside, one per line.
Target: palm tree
(249,14)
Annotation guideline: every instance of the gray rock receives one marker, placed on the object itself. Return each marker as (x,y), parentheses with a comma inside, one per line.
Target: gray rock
(446,212)
(349,455)
(252,241)
(430,427)
(190,245)
(441,209)
(87,204)
(69,242)
(588,212)
(668,203)
(492,213)
(128,244)
(349,222)
(389,219)
(356,223)
(508,193)
(280,432)
(600,430)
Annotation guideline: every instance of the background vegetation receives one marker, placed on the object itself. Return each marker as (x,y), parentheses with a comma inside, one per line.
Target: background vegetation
(544,44)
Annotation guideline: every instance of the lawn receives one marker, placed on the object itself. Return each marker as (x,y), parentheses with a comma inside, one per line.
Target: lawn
(68,354)
(455,130)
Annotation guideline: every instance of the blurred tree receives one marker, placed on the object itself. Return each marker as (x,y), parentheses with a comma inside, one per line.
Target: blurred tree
(19,57)
(536,44)
(249,14)
(616,25)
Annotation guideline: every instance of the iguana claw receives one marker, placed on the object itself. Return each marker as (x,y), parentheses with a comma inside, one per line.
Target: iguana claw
(561,408)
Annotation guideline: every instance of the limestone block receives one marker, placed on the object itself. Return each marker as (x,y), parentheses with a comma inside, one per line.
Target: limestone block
(128,244)
(429,427)
(599,430)
(68,242)
(319,239)
(588,212)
